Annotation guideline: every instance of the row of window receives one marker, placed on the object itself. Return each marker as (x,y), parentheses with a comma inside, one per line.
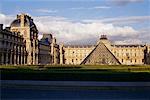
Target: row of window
(12,37)
(77,51)
(131,60)
(73,61)
(10,45)
(129,54)
(7,59)
(129,50)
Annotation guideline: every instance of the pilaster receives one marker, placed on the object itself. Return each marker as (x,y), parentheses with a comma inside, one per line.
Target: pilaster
(6,60)
(21,54)
(14,55)
(2,57)
(61,54)
(18,55)
(10,57)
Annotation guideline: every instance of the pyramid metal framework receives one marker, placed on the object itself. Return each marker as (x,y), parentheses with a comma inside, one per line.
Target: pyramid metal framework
(100,55)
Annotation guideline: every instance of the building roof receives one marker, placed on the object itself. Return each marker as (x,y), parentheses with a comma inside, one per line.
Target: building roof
(44,41)
(130,45)
(28,21)
(79,46)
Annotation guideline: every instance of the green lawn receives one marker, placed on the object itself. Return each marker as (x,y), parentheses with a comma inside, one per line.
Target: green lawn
(76,73)
(117,68)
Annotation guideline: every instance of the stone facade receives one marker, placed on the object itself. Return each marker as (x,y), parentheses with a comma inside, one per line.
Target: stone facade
(44,51)
(48,50)
(124,54)
(129,54)
(147,56)
(25,26)
(19,44)
(74,54)
(55,52)
(12,47)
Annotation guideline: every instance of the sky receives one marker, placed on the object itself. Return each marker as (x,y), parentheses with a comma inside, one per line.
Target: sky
(83,21)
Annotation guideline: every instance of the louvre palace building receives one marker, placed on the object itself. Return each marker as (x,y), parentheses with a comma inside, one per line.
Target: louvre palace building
(19,45)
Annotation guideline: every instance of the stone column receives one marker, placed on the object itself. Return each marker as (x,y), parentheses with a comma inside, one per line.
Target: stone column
(2,57)
(22,20)
(10,57)
(24,55)
(6,58)
(37,50)
(29,50)
(61,54)
(29,60)
(14,55)
(14,58)
(52,53)
(55,61)
(18,55)
(33,52)
(36,58)
(22,58)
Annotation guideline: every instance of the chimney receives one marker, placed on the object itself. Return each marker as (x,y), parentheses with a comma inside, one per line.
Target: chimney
(7,28)
(49,36)
(54,40)
(103,37)
(22,20)
(18,16)
(1,26)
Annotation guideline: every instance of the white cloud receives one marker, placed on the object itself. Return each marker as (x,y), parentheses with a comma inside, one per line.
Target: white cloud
(144,34)
(125,2)
(77,8)
(129,41)
(122,20)
(6,20)
(67,31)
(101,7)
(91,8)
(40,36)
(46,11)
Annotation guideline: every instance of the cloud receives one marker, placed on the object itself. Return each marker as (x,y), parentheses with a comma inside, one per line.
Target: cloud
(40,36)
(68,31)
(91,8)
(125,2)
(129,41)
(144,34)
(46,11)
(101,7)
(142,37)
(122,20)
(5,19)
